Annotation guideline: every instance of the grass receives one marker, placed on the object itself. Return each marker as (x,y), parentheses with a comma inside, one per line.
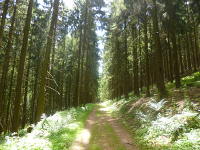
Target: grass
(104,134)
(55,132)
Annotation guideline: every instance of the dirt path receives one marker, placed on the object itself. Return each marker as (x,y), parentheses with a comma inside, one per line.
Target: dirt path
(103,132)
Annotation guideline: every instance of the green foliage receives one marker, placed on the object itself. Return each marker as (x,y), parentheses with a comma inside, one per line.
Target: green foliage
(163,131)
(170,85)
(188,81)
(22,132)
(193,122)
(192,80)
(62,139)
(197,84)
(55,132)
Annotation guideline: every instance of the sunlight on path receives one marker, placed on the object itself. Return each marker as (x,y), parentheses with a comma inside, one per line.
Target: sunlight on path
(82,140)
(103,132)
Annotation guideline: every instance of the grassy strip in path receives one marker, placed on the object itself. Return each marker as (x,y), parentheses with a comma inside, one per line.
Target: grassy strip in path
(55,132)
(103,135)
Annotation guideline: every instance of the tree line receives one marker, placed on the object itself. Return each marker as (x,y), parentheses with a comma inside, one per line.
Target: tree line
(48,58)
(150,42)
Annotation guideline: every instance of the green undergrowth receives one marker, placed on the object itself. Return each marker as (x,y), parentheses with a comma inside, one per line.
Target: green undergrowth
(192,80)
(155,125)
(55,132)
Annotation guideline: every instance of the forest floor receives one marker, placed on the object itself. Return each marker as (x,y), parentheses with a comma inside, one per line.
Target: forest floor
(103,132)
(55,132)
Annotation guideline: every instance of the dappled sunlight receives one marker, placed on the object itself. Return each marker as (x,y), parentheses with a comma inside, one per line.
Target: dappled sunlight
(74,125)
(163,129)
(82,140)
(162,140)
(193,136)
(99,75)
(90,122)
(105,103)
(85,136)
(160,124)
(53,132)
(156,105)
(30,141)
(108,106)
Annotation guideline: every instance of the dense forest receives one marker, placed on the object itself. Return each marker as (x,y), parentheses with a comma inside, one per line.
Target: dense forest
(51,55)
(49,59)
(151,43)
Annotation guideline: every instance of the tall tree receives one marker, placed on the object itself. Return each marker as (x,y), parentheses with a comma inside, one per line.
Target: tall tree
(45,63)
(3,19)
(145,24)
(158,52)
(172,30)
(3,81)
(20,71)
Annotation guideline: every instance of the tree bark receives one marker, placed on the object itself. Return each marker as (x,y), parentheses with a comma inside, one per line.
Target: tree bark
(3,20)
(146,50)
(77,86)
(8,49)
(45,64)
(172,29)
(17,100)
(158,51)
(135,64)
(24,114)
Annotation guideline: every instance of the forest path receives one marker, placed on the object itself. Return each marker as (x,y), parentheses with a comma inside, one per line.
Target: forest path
(103,132)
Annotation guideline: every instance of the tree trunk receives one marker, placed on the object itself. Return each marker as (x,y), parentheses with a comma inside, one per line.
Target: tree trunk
(180,55)
(126,72)
(158,51)
(172,29)
(24,114)
(11,84)
(45,64)
(3,20)
(3,82)
(17,100)
(77,86)
(146,50)
(135,64)
(189,64)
